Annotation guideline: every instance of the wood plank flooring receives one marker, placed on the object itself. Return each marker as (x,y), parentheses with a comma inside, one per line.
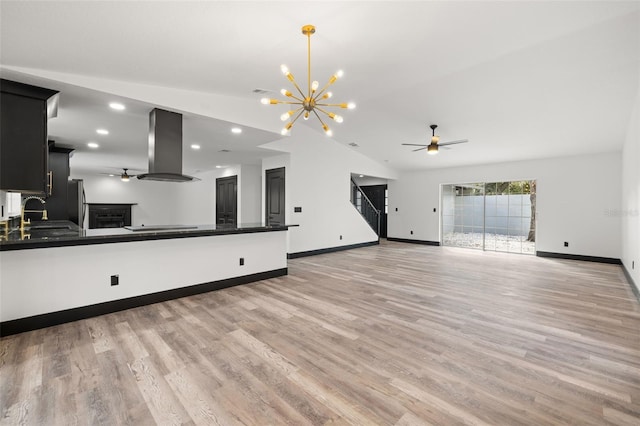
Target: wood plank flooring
(395,334)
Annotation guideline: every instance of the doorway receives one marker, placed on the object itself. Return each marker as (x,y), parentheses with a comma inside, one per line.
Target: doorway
(274,197)
(491,216)
(378,195)
(227,200)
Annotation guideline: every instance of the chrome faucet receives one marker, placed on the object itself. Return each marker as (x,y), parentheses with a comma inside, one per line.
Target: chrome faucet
(23,211)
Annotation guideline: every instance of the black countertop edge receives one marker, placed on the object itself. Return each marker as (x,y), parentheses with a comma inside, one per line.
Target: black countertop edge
(81,240)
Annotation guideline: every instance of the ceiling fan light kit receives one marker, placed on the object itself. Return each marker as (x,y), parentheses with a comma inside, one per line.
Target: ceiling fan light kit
(314,101)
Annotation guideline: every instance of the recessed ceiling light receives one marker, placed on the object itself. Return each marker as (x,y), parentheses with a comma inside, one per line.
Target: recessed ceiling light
(236,130)
(92,145)
(112,175)
(195,146)
(219,167)
(102,131)
(361,176)
(117,106)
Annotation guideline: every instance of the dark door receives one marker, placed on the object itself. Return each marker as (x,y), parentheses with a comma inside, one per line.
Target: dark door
(377,194)
(274,187)
(227,200)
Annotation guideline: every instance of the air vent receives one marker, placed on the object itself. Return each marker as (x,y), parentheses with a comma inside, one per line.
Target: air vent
(224,150)
(353,144)
(261,91)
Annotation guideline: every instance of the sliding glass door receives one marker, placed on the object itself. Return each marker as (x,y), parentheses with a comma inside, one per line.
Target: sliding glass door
(495,216)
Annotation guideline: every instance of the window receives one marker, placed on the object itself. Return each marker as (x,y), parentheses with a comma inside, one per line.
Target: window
(495,216)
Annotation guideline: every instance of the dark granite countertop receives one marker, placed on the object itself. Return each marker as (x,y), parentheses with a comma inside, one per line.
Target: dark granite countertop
(58,233)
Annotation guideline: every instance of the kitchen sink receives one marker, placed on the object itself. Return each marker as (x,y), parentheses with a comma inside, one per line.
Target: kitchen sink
(47,227)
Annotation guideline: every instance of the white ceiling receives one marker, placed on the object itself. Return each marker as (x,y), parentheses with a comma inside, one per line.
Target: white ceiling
(520,80)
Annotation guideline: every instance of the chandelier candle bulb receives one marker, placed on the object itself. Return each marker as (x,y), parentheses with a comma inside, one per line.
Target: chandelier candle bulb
(308,102)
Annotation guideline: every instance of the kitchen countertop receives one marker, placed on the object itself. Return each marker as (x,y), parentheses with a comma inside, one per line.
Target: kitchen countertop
(59,233)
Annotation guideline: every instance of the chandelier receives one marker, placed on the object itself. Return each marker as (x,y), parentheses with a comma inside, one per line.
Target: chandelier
(314,101)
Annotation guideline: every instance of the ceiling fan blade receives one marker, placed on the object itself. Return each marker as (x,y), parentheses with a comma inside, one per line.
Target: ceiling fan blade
(453,142)
(419,149)
(414,144)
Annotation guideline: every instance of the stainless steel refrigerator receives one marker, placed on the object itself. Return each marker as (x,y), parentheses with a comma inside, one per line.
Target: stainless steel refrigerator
(76,202)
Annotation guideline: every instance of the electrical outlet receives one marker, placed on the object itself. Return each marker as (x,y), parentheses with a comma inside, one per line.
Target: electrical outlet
(633,264)
(115,280)
(434,209)
(566,244)
(411,232)
(242,261)
(396,209)
(340,236)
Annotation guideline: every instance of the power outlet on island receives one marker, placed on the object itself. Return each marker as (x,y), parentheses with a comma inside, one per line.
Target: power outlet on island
(115,280)
(242,261)
(566,243)
(340,236)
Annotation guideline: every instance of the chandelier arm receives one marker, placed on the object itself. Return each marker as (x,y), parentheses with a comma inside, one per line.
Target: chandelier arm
(317,115)
(297,87)
(323,111)
(332,105)
(289,102)
(297,116)
(326,86)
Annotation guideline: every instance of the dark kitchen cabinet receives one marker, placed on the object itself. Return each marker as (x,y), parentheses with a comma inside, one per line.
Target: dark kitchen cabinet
(23,137)
(57,194)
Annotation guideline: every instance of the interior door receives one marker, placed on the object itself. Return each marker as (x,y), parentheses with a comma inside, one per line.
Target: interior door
(377,195)
(227,200)
(274,197)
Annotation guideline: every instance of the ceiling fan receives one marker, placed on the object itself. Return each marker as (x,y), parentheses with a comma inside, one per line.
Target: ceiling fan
(124,176)
(432,148)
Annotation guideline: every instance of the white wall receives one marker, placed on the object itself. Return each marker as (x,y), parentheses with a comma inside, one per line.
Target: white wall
(222,107)
(70,277)
(250,194)
(575,196)
(368,180)
(11,203)
(318,180)
(630,211)
(185,203)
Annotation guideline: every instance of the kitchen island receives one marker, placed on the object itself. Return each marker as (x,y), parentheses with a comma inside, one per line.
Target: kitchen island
(63,274)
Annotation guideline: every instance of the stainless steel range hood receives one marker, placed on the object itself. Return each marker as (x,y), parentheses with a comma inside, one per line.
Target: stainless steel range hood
(165,147)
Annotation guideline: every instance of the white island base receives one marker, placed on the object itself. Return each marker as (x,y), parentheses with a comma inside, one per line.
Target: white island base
(40,287)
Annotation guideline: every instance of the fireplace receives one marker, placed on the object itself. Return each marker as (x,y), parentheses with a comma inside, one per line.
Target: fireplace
(103,215)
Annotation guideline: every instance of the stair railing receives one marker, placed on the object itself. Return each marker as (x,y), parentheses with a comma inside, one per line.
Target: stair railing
(365,207)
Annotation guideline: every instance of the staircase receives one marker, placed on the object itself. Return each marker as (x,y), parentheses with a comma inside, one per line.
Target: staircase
(365,207)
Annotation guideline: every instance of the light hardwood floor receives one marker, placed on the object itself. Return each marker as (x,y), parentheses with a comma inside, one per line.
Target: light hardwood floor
(395,334)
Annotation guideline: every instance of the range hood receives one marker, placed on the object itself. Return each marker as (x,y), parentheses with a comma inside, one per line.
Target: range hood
(165,147)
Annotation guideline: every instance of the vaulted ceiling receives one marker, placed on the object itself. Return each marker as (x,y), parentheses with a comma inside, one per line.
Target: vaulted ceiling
(520,80)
